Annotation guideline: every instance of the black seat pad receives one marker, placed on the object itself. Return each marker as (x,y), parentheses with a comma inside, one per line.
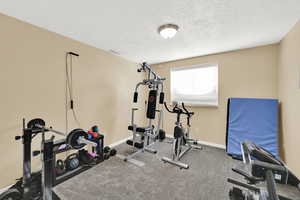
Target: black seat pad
(138,129)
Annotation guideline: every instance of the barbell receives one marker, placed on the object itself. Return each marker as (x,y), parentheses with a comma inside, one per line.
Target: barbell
(76,139)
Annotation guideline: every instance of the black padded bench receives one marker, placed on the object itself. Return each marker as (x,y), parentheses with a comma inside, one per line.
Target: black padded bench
(138,129)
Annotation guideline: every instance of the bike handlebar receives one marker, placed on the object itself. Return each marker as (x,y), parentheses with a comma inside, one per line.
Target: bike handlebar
(187,112)
(178,110)
(175,109)
(167,108)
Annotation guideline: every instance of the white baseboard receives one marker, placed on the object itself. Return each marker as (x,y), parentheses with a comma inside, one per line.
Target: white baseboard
(219,146)
(119,142)
(4,189)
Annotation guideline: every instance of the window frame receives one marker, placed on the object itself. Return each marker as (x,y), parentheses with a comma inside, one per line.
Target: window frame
(202,65)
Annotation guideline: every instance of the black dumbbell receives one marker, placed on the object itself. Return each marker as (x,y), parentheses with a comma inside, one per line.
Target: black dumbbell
(113,152)
(108,152)
(106,149)
(106,156)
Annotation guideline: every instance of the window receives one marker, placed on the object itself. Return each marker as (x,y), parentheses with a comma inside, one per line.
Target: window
(195,85)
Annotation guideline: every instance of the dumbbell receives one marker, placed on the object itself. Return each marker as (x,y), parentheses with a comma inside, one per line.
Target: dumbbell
(60,167)
(106,151)
(113,152)
(109,152)
(72,162)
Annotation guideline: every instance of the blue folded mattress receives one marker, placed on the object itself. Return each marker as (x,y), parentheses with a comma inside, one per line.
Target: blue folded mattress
(255,120)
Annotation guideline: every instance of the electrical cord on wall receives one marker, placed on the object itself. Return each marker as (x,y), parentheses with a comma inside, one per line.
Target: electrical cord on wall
(69,89)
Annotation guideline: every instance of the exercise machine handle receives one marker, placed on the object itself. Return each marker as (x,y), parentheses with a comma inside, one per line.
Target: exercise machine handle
(36,153)
(251,179)
(176,109)
(73,54)
(135,97)
(244,185)
(161,97)
(18,137)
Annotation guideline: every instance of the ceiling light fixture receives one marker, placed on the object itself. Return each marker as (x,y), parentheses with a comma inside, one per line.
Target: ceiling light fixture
(168,31)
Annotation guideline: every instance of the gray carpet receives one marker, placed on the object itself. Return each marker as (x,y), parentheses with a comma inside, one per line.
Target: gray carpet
(115,179)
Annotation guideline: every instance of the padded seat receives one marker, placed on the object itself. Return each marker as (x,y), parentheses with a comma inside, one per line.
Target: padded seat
(138,145)
(138,129)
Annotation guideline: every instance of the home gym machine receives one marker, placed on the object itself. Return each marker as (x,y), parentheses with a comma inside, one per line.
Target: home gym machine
(259,166)
(182,142)
(144,137)
(38,185)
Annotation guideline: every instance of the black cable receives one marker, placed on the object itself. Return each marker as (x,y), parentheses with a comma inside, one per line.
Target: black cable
(66,93)
(69,85)
(69,89)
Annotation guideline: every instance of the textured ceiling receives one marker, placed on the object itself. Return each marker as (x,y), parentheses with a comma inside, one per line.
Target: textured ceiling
(130,27)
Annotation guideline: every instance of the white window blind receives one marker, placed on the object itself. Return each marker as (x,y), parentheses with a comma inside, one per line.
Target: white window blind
(195,85)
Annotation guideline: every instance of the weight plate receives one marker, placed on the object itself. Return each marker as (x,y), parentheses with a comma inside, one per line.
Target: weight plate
(32,124)
(73,136)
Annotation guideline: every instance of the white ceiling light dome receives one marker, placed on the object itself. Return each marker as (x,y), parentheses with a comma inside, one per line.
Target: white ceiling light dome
(168,31)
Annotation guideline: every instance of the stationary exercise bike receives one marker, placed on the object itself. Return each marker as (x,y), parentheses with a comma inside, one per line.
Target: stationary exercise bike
(182,142)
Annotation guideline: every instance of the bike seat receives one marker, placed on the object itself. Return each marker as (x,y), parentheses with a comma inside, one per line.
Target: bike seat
(178,132)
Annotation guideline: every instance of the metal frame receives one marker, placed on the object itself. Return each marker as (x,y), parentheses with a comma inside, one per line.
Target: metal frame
(182,148)
(27,139)
(48,160)
(269,192)
(262,193)
(28,135)
(47,168)
(149,135)
(49,149)
(154,82)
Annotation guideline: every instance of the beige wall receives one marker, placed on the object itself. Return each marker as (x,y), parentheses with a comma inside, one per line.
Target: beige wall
(32,84)
(244,73)
(289,95)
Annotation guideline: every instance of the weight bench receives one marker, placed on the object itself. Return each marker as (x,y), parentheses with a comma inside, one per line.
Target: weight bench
(261,159)
(261,166)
